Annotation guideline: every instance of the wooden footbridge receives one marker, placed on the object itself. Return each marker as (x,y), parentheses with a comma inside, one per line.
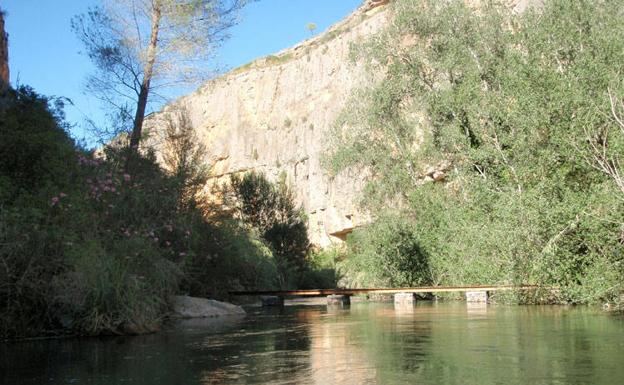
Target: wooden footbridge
(474,293)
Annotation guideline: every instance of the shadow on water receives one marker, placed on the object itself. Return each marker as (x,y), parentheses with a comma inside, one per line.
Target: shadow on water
(106,360)
(365,343)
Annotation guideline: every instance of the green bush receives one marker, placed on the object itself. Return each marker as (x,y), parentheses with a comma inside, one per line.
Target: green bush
(386,253)
(507,106)
(270,210)
(35,149)
(226,257)
(321,271)
(93,245)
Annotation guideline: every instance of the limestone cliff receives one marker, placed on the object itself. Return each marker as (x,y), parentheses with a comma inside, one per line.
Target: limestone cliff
(4,52)
(273,116)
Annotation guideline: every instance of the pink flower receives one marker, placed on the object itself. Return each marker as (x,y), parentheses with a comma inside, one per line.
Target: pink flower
(62,195)
(126,177)
(112,189)
(55,201)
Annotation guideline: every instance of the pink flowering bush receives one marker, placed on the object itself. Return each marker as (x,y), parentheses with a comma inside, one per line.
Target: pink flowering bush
(97,244)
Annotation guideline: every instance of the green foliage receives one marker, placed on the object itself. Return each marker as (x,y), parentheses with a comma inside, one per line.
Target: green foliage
(256,198)
(321,271)
(183,156)
(34,149)
(278,59)
(226,257)
(170,43)
(331,35)
(386,253)
(506,105)
(270,209)
(89,246)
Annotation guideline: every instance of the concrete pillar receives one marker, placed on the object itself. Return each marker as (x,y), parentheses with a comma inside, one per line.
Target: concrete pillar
(271,300)
(477,296)
(404,299)
(338,299)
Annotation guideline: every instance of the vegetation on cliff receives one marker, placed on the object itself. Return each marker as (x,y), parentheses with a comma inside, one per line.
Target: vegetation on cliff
(521,117)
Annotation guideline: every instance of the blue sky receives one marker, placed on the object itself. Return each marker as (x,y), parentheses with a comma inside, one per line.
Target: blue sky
(44,54)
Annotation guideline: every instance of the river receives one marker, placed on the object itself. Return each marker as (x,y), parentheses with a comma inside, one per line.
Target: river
(366,343)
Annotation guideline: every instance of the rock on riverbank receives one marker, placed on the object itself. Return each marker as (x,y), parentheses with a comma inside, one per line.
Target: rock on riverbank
(193,307)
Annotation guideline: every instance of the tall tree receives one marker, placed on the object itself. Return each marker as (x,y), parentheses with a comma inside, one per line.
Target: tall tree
(141,46)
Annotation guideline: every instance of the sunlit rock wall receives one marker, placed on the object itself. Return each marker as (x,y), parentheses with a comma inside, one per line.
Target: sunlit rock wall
(274,116)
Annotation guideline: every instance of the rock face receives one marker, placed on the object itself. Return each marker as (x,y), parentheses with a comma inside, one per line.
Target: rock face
(193,307)
(274,116)
(4,52)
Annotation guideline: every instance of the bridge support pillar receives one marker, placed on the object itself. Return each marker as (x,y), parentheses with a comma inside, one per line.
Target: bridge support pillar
(404,299)
(338,299)
(271,300)
(477,296)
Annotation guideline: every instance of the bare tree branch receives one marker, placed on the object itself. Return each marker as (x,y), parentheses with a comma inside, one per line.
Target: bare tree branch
(142,45)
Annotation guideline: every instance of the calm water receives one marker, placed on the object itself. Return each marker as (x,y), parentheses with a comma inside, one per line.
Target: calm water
(369,343)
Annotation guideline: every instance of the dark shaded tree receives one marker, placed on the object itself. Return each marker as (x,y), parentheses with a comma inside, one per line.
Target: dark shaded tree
(271,210)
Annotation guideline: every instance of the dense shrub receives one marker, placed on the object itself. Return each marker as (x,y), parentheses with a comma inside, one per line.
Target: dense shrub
(270,210)
(386,253)
(95,245)
(518,114)
(35,149)
(321,270)
(38,160)
(226,257)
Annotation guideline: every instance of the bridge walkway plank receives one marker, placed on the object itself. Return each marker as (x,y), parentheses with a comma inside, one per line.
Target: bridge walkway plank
(423,289)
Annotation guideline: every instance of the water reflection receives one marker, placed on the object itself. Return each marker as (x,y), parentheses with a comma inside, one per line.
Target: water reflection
(476,309)
(429,343)
(404,309)
(336,355)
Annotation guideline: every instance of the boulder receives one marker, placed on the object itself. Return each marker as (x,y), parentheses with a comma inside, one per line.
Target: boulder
(193,307)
